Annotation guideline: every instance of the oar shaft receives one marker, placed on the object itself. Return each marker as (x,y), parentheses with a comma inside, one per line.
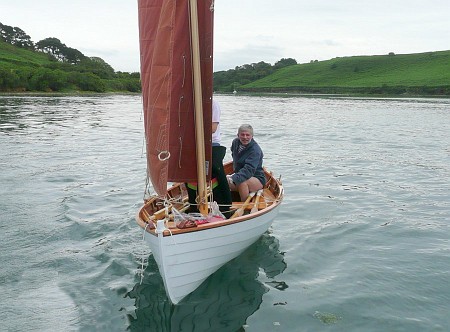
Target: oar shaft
(239,212)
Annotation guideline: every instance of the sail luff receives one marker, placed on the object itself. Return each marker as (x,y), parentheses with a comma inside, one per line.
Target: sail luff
(168,89)
(198,110)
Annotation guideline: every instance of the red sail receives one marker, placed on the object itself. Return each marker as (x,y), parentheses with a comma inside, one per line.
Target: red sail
(167,88)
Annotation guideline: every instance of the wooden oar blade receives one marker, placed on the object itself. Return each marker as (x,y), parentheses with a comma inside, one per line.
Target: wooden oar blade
(255,207)
(262,203)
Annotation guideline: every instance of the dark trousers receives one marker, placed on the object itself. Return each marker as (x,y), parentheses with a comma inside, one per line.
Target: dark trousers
(221,193)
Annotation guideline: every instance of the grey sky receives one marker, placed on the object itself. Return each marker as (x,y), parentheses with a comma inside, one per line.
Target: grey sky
(247,31)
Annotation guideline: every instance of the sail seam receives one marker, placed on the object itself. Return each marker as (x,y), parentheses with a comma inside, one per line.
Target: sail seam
(184,70)
(181,148)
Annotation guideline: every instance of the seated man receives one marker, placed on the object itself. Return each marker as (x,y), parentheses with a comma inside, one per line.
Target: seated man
(247,162)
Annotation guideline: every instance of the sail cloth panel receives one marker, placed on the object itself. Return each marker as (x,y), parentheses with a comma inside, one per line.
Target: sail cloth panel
(167,88)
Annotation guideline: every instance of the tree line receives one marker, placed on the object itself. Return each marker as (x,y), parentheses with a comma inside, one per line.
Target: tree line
(66,68)
(230,80)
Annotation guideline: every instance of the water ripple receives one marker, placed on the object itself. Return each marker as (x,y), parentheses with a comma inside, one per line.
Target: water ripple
(362,237)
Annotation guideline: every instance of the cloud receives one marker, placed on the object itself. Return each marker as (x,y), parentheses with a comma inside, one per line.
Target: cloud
(246,31)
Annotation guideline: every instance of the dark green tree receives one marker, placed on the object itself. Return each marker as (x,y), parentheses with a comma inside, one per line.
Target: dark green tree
(60,51)
(285,62)
(15,36)
(97,66)
(8,80)
(87,82)
(72,55)
(52,46)
(240,75)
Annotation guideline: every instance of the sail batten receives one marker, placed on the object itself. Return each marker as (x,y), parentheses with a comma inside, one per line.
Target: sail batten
(168,89)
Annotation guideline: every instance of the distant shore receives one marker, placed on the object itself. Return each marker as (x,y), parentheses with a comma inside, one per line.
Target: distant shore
(250,94)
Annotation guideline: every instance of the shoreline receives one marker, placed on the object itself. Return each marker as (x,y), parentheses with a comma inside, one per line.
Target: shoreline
(248,94)
(333,95)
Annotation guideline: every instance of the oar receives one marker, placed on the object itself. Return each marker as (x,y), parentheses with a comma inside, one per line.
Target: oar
(239,212)
(255,207)
(262,203)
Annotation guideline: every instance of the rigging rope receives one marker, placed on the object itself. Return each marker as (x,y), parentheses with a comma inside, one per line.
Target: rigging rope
(141,272)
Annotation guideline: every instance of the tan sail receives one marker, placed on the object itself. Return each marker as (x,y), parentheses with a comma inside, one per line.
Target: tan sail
(168,89)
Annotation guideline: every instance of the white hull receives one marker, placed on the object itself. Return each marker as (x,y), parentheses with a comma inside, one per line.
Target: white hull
(188,252)
(186,260)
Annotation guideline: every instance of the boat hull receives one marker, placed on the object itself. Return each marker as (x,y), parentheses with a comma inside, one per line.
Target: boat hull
(186,260)
(186,257)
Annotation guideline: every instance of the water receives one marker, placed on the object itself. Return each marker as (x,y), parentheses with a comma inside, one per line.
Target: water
(361,242)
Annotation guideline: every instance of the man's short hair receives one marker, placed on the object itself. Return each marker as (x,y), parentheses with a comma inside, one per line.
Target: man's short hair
(246,127)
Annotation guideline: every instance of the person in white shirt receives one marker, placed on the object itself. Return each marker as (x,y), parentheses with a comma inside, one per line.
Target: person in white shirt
(221,189)
(216,134)
(221,193)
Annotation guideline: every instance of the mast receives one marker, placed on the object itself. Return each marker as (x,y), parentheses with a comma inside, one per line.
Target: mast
(198,111)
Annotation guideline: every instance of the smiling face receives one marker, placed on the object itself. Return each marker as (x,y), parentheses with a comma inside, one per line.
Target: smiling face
(245,137)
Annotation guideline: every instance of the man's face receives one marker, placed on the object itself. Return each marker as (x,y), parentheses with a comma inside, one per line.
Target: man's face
(245,137)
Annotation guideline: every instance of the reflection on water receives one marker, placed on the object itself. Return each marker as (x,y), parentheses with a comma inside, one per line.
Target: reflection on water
(222,303)
(19,113)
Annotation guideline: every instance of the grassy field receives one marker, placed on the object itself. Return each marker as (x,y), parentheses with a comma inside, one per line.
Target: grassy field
(418,74)
(429,70)
(14,57)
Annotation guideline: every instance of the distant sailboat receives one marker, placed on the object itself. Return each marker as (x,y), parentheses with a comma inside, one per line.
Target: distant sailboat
(176,46)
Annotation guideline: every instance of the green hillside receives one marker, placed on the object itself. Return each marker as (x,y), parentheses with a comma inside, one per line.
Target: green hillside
(23,70)
(27,70)
(423,73)
(12,57)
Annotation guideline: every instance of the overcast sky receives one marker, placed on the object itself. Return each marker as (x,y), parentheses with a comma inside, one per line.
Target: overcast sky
(246,31)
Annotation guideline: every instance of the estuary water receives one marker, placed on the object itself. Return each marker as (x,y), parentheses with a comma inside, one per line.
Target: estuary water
(362,241)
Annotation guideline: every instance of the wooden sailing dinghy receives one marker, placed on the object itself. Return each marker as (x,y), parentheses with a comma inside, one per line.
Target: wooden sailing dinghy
(176,39)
